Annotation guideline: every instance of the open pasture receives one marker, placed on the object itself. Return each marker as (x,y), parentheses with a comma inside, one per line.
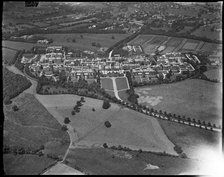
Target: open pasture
(209,48)
(25,164)
(129,128)
(18,45)
(100,161)
(85,43)
(174,42)
(31,126)
(194,98)
(214,74)
(205,31)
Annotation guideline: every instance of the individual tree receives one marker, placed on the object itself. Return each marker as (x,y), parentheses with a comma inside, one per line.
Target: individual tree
(15,108)
(107,124)
(66,120)
(105,145)
(64,128)
(73,40)
(73,112)
(93,109)
(106,104)
(7,100)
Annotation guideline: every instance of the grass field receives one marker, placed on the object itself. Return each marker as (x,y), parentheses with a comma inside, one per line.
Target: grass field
(107,83)
(206,32)
(197,99)
(190,45)
(18,45)
(140,39)
(99,161)
(209,48)
(8,54)
(32,126)
(214,74)
(85,43)
(129,128)
(151,46)
(191,139)
(25,164)
(122,83)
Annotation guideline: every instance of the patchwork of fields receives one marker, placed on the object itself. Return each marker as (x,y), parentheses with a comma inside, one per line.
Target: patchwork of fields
(151,42)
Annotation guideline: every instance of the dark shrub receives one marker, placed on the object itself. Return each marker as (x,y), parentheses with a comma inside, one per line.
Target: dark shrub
(15,108)
(64,128)
(107,124)
(105,145)
(66,120)
(106,104)
(178,149)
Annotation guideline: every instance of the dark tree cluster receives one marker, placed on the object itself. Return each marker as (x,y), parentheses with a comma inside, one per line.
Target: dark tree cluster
(13,85)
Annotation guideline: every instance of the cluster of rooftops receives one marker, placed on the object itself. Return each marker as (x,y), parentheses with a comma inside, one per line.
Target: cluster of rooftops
(56,59)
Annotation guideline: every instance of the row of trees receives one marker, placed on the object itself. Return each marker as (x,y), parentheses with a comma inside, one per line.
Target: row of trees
(18,63)
(21,150)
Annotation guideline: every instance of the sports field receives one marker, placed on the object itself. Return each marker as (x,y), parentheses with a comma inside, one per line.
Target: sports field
(107,83)
(129,128)
(194,98)
(122,83)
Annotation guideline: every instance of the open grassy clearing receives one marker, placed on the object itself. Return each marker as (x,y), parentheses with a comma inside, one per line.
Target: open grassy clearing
(99,161)
(194,98)
(32,126)
(129,128)
(85,43)
(191,139)
(25,164)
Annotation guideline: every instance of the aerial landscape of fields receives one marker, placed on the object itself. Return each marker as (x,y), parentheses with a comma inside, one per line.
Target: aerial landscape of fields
(112,88)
